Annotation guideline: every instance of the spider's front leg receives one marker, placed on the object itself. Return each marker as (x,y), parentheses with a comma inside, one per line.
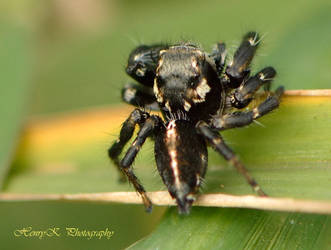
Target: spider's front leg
(243,95)
(238,69)
(219,55)
(139,97)
(219,145)
(243,118)
(142,63)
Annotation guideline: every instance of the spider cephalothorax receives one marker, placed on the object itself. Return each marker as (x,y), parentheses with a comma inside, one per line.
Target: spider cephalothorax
(198,96)
(186,81)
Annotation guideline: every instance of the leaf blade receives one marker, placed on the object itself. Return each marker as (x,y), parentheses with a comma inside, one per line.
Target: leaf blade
(209,228)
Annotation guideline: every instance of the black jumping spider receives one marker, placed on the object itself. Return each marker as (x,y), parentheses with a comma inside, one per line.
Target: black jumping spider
(197,94)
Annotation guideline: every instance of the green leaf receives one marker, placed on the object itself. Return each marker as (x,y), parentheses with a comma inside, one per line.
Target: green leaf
(14,73)
(224,228)
(287,158)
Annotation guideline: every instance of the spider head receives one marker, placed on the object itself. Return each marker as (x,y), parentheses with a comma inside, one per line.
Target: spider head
(181,77)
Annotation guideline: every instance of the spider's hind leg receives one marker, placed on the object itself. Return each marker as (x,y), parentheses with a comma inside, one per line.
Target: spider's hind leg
(146,130)
(219,145)
(136,117)
(147,125)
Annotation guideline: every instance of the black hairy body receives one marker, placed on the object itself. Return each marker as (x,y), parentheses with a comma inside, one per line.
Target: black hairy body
(198,95)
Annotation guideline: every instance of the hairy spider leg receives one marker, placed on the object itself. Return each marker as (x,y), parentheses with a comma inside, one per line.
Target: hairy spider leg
(146,130)
(243,118)
(139,97)
(243,95)
(136,117)
(219,145)
(219,55)
(238,68)
(142,63)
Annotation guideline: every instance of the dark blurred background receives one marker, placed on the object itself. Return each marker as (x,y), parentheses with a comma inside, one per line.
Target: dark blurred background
(77,53)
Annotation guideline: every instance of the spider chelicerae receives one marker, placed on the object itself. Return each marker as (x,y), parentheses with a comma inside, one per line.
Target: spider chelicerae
(198,95)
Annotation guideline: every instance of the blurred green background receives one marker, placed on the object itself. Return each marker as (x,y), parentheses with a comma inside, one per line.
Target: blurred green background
(83,45)
(64,55)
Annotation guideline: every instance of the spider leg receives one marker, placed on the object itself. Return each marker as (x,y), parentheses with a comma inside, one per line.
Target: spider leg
(145,131)
(219,145)
(238,69)
(142,63)
(219,55)
(136,117)
(243,95)
(240,119)
(139,97)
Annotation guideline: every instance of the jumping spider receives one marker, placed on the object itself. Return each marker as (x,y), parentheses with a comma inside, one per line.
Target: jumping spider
(198,96)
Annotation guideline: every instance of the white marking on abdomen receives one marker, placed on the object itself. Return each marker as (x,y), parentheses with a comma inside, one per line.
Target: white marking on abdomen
(171,143)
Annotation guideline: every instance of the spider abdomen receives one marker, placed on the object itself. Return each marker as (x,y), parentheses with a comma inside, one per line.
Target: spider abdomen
(181,157)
